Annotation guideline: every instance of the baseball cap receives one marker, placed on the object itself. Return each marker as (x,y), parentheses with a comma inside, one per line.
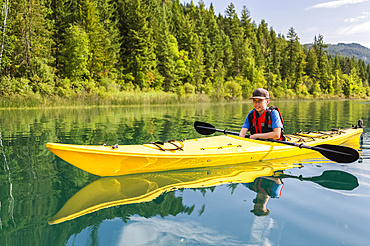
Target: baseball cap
(260,93)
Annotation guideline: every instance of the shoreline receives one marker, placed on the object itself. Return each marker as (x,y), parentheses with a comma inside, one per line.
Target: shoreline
(160,98)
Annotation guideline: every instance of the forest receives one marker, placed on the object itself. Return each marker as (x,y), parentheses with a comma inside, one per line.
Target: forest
(100,48)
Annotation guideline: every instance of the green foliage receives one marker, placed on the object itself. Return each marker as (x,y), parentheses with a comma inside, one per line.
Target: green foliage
(180,91)
(75,54)
(100,47)
(189,88)
(232,90)
(14,86)
(137,55)
(64,87)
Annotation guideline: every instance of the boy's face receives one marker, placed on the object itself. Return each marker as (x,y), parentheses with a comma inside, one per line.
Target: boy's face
(260,105)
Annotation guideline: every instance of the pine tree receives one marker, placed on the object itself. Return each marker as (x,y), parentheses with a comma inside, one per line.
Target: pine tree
(234,30)
(167,54)
(311,68)
(177,19)
(6,47)
(63,14)
(31,54)
(75,54)
(264,38)
(246,23)
(98,63)
(277,47)
(108,17)
(214,64)
(299,67)
(137,53)
(188,42)
(290,58)
(322,63)
(201,29)
(228,54)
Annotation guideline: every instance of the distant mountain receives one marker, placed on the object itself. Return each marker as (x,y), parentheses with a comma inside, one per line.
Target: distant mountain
(350,50)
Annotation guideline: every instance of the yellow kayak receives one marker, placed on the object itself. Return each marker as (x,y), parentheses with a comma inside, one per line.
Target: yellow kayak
(194,153)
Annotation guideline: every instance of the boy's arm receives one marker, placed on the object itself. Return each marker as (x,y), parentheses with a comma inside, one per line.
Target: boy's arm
(243,132)
(268,135)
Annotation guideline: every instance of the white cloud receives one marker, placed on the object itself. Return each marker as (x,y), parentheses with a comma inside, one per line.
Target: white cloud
(358,18)
(157,231)
(336,4)
(363,28)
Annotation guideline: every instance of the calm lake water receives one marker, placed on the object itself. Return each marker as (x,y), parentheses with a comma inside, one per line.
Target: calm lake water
(35,184)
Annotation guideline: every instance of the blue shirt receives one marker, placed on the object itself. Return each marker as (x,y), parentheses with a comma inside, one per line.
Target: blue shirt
(268,186)
(275,119)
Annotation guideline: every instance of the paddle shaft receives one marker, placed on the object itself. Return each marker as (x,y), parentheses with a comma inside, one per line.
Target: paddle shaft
(335,153)
(219,130)
(300,145)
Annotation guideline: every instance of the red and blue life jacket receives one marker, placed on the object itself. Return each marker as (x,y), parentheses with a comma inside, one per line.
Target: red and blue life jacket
(266,186)
(263,123)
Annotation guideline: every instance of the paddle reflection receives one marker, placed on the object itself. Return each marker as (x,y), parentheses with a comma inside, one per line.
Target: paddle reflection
(267,187)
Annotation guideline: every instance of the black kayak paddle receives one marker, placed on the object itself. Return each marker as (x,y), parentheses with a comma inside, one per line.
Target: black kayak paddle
(335,153)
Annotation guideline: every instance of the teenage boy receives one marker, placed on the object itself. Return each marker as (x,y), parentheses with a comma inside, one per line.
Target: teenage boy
(263,122)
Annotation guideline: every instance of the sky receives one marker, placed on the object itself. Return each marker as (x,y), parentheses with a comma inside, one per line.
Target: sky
(338,21)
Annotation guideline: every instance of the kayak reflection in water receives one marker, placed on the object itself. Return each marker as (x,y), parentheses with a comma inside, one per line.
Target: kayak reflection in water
(265,187)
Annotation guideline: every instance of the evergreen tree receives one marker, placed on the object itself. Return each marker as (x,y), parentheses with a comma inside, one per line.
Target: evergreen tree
(6,39)
(215,55)
(311,68)
(228,53)
(188,41)
(322,65)
(234,30)
(246,23)
(264,39)
(177,19)
(299,67)
(98,62)
(32,37)
(75,54)
(108,17)
(167,54)
(138,57)
(296,59)
(277,47)
(363,73)
(165,45)
(201,30)
(336,65)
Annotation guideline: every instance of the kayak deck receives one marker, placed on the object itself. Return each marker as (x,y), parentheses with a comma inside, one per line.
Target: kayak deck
(201,152)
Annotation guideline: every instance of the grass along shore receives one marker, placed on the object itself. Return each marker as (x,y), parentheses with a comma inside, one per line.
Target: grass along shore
(130,98)
(85,100)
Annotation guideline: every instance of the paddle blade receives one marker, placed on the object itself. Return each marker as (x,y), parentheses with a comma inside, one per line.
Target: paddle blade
(337,180)
(338,153)
(204,128)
